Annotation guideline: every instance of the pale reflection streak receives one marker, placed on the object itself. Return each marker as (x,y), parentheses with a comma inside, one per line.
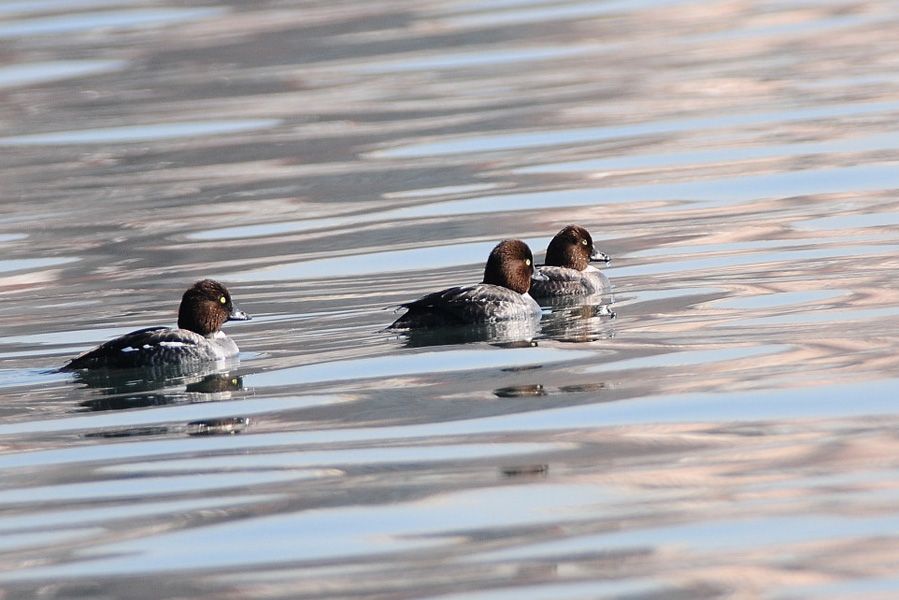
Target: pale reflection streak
(750,475)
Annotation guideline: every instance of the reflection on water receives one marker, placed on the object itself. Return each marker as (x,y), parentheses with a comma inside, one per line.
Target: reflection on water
(31,264)
(518,391)
(509,334)
(139,133)
(229,426)
(77,23)
(584,323)
(518,141)
(731,432)
(40,72)
(421,363)
(133,388)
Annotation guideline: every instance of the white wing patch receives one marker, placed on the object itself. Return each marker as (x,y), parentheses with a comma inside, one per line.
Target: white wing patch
(172,344)
(151,346)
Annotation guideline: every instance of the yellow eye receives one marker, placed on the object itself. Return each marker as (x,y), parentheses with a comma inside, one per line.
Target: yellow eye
(527,261)
(584,242)
(223,300)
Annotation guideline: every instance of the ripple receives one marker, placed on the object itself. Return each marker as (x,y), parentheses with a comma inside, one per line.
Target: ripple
(108,513)
(730,262)
(840,315)
(25,541)
(589,590)
(422,363)
(850,221)
(551,12)
(178,413)
(415,62)
(729,247)
(779,299)
(721,191)
(667,294)
(352,531)
(281,227)
(710,192)
(395,261)
(788,29)
(723,154)
(863,587)
(341,457)
(689,357)
(10,378)
(140,133)
(560,137)
(150,486)
(79,22)
(44,72)
(22,7)
(733,534)
(76,337)
(870,398)
(32,264)
(446,190)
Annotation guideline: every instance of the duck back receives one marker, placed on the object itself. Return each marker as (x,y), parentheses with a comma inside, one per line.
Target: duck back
(467,304)
(562,281)
(151,347)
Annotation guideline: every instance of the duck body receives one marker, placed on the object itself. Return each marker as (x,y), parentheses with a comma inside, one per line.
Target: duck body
(204,308)
(568,271)
(501,296)
(565,281)
(468,304)
(156,346)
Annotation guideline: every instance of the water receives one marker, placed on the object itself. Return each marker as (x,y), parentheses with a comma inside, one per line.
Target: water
(730,434)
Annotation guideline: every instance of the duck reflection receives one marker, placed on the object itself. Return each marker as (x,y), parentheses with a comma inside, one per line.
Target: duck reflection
(532,390)
(121,389)
(527,470)
(205,427)
(520,391)
(128,432)
(226,426)
(578,318)
(512,334)
(582,388)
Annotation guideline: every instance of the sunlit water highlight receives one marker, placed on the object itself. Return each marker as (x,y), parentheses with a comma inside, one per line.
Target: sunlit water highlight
(41,72)
(76,23)
(139,133)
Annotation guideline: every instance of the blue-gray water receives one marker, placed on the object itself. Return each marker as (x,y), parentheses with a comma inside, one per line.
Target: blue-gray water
(731,434)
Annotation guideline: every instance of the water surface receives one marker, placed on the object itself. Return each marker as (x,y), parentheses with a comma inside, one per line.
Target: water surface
(730,434)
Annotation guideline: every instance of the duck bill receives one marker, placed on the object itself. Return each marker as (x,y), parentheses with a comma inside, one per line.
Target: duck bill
(238,315)
(598,256)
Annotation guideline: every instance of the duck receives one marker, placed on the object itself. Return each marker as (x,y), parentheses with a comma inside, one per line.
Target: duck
(567,270)
(501,296)
(198,338)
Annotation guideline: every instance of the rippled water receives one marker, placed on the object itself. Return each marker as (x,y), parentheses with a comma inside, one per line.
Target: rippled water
(732,433)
